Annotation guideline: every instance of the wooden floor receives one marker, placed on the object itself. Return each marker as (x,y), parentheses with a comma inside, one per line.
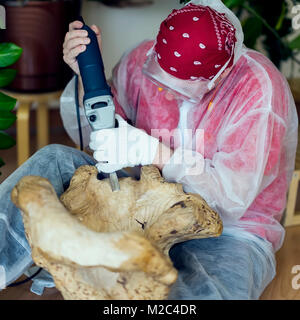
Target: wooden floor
(287,257)
(279,289)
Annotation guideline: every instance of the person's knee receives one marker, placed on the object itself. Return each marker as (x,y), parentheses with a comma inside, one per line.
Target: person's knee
(51,150)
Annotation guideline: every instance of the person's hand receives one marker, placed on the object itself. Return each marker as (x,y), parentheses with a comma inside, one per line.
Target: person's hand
(125,146)
(75,43)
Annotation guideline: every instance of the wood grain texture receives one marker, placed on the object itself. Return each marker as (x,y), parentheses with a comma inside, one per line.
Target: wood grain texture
(291,216)
(287,257)
(279,289)
(23,134)
(25,101)
(42,125)
(116,244)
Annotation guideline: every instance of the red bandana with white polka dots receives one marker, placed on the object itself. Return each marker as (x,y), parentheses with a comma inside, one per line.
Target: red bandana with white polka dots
(195,42)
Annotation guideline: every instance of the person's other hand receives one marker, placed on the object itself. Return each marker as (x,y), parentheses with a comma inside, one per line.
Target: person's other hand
(125,146)
(75,42)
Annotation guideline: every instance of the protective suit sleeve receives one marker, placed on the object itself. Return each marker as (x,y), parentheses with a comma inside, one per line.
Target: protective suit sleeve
(246,162)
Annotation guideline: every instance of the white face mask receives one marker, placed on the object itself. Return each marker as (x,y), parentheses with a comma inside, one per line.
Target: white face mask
(192,90)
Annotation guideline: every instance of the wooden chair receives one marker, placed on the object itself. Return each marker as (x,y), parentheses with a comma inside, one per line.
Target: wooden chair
(292,217)
(25,101)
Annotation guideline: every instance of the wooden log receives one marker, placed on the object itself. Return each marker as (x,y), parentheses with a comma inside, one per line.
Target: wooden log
(99,244)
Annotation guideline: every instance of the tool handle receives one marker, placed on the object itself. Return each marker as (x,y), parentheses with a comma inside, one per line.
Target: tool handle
(97,98)
(92,68)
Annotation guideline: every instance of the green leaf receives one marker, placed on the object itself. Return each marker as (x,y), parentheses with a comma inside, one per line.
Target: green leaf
(7,119)
(9,54)
(7,103)
(252,28)
(7,76)
(6,141)
(281,17)
(295,43)
(233,3)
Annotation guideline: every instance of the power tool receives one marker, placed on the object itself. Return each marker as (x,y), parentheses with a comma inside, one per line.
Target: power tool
(98,103)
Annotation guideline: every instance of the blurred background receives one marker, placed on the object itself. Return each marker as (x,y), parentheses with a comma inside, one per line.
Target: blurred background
(33,74)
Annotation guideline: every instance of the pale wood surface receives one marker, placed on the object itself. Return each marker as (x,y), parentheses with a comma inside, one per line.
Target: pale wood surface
(42,125)
(25,101)
(23,138)
(43,97)
(287,257)
(291,217)
(279,289)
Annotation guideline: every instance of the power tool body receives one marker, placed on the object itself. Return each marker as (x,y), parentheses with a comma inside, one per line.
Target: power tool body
(98,100)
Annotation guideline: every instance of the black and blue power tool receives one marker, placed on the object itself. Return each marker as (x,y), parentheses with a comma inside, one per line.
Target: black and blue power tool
(98,103)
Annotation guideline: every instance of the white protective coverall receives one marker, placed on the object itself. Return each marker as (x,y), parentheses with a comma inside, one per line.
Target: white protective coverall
(250,137)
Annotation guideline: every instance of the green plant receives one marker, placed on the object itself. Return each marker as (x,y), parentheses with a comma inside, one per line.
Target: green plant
(270,19)
(9,54)
(124,3)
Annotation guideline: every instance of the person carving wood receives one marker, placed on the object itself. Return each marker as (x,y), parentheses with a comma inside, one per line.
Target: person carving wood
(226,128)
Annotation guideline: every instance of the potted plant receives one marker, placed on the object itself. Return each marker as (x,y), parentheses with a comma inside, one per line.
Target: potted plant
(9,54)
(39,28)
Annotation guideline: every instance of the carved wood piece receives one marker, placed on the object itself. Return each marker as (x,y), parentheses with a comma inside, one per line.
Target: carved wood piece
(99,244)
